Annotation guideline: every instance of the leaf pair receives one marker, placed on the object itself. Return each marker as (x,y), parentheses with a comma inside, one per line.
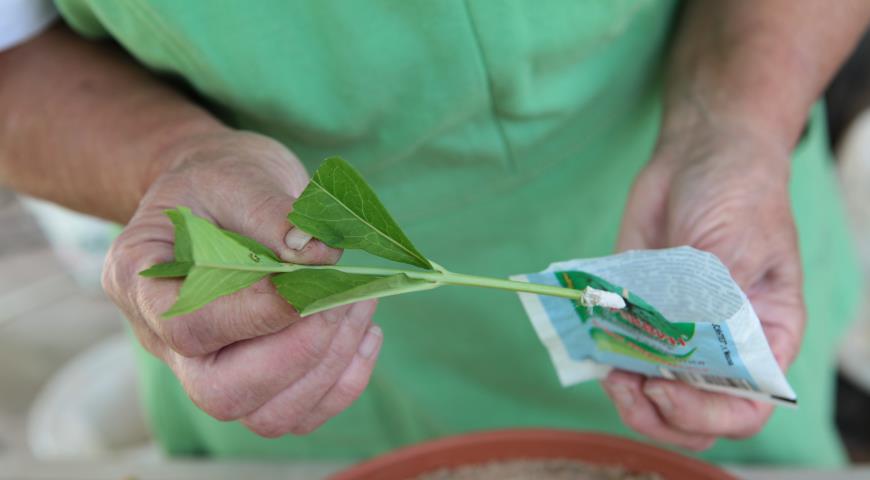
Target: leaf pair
(338,208)
(216,262)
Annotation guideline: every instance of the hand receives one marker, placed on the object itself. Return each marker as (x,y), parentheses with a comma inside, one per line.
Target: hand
(723,189)
(247,356)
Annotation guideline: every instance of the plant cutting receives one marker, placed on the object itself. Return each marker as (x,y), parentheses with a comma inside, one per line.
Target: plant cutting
(341,210)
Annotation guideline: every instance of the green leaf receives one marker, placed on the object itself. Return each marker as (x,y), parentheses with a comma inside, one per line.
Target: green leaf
(253,245)
(313,290)
(203,285)
(221,264)
(168,270)
(341,210)
(182,249)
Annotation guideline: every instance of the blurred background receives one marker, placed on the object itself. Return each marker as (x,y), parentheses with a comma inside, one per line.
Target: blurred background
(59,333)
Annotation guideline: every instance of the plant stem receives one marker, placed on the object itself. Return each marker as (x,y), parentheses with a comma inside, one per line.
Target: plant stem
(445,277)
(451,278)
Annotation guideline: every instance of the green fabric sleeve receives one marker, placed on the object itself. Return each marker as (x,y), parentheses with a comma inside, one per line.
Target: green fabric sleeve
(79,15)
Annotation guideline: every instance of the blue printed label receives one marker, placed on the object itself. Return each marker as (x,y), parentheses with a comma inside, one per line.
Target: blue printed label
(639,338)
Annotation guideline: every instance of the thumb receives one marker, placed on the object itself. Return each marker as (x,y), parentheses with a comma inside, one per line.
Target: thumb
(265,220)
(630,236)
(643,217)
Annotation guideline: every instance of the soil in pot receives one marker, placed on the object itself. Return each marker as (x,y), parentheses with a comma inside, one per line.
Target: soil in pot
(532,469)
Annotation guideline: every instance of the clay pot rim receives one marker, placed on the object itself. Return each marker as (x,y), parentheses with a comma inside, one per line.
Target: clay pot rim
(424,457)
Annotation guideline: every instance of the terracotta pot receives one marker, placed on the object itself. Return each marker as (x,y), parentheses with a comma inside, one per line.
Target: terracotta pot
(475,448)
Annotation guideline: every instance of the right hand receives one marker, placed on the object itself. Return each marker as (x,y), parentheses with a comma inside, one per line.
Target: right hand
(246,356)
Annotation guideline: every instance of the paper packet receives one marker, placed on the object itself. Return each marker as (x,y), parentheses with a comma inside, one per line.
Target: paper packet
(684,319)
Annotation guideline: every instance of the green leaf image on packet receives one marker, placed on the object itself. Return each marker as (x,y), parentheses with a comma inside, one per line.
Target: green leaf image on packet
(684,319)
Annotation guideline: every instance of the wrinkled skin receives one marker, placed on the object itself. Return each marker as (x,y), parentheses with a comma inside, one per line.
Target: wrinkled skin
(724,189)
(247,356)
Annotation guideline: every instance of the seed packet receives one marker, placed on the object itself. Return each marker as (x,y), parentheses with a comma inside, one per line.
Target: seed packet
(684,319)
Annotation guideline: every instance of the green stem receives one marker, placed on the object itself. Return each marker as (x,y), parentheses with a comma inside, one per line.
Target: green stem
(488,282)
(445,277)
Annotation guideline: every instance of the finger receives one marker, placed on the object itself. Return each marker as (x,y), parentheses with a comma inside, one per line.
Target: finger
(253,312)
(630,238)
(780,307)
(137,248)
(305,250)
(633,229)
(263,217)
(784,341)
(641,222)
(688,409)
(350,385)
(639,413)
(285,412)
(241,378)
(121,282)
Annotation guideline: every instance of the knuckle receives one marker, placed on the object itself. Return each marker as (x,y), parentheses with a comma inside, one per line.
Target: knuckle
(274,321)
(108,280)
(219,411)
(150,306)
(305,428)
(686,423)
(691,423)
(744,421)
(182,338)
(260,216)
(749,430)
(308,351)
(698,445)
(218,402)
(349,389)
(643,424)
(267,313)
(337,357)
(269,432)
(266,427)
(148,339)
(115,274)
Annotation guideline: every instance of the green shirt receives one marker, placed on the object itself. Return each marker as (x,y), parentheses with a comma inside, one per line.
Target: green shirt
(487,127)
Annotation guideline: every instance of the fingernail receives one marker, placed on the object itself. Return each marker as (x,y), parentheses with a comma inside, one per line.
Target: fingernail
(370,343)
(660,397)
(623,395)
(296,239)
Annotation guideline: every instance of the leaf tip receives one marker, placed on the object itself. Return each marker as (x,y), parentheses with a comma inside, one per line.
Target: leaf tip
(335,159)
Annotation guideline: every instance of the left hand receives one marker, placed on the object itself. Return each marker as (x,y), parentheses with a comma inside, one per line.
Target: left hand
(724,189)
(246,356)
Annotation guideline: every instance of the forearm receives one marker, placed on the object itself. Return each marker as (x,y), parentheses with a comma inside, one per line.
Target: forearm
(760,65)
(84,126)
